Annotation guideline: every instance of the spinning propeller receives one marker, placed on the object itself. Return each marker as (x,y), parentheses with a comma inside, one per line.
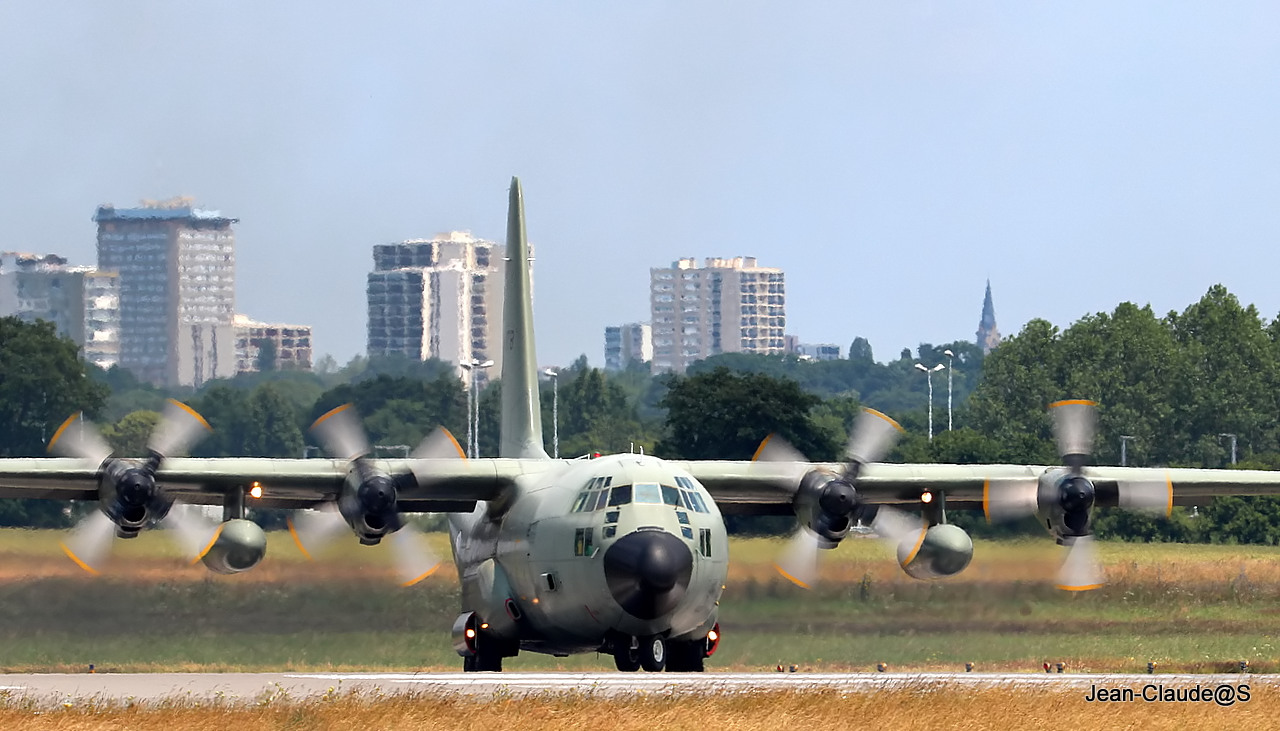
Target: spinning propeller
(128,496)
(1065,497)
(827,503)
(368,501)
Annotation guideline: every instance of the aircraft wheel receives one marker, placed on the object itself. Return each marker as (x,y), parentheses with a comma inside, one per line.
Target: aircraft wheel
(685,657)
(653,654)
(627,660)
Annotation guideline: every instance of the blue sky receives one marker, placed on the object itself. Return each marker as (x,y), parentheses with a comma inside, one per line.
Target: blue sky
(890,157)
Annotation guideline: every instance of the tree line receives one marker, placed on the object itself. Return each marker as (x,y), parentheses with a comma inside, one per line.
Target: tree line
(1175,387)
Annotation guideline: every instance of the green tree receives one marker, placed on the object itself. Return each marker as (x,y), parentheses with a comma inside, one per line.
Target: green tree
(266,355)
(129,436)
(271,429)
(726,415)
(42,382)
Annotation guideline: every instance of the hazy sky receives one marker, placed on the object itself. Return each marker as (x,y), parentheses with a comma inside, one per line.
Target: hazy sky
(889,156)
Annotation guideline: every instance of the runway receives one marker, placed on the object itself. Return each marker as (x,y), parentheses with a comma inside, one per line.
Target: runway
(259,687)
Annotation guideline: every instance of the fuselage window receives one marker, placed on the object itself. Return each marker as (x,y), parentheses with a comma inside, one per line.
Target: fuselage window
(648,493)
(704,541)
(698,504)
(670,495)
(582,542)
(620,495)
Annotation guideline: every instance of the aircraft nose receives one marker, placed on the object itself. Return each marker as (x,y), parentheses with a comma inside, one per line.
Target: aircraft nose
(648,572)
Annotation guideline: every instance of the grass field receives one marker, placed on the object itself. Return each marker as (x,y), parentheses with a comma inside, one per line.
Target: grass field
(1188,608)
(910,708)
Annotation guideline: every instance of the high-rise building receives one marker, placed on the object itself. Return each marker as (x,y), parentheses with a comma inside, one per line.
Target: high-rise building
(438,298)
(988,335)
(176,266)
(83,304)
(626,344)
(727,306)
(289,345)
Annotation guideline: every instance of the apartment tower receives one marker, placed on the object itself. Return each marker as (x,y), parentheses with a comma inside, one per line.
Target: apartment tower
(726,306)
(176,266)
(438,298)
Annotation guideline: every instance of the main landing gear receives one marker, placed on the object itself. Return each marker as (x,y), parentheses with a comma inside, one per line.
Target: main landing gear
(656,653)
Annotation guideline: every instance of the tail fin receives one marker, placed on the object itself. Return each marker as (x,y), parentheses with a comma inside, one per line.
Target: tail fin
(521,410)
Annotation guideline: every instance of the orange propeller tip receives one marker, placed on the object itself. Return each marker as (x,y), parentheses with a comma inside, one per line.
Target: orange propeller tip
(791,578)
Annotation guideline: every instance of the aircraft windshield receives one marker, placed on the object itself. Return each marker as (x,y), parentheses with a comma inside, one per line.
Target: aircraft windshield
(648,493)
(620,495)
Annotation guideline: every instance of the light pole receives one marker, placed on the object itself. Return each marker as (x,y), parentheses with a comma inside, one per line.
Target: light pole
(1232,437)
(928,373)
(950,368)
(1124,448)
(555,411)
(473,406)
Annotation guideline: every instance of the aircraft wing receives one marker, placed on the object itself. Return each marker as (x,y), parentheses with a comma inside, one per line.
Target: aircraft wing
(431,485)
(768,488)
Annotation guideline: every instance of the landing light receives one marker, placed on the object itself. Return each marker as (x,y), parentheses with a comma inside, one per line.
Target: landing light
(256,490)
(926,497)
(713,635)
(471,634)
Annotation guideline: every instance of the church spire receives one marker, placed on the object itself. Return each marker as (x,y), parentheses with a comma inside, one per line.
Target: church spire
(988,334)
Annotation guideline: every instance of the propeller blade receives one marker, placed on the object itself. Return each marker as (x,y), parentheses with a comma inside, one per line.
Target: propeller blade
(90,541)
(1149,496)
(874,434)
(341,433)
(1007,500)
(313,530)
(78,437)
(895,526)
(414,558)
(798,562)
(1074,423)
(775,448)
(1080,570)
(192,530)
(179,428)
(439,444)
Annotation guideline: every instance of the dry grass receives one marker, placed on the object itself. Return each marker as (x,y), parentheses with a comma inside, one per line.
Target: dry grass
(911,708)
(1190,608)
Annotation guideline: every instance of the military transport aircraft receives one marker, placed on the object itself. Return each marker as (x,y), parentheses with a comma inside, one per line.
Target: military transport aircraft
(623,554)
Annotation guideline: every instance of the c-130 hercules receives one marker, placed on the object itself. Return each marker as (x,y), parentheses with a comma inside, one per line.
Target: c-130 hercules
(624,554)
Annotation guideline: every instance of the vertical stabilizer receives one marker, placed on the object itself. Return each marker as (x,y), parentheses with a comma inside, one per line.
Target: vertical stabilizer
(521,411)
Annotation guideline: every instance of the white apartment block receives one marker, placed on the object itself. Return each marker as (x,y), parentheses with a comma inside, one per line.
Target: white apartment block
(83,304)
(726,306)
(438,298)
(291,344)
(626,344)
(176,266)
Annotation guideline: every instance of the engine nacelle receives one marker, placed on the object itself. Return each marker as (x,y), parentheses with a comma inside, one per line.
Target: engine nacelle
(1064,503)
(129,496)
(368,504)
(824,504)
(938,551)
(239,545)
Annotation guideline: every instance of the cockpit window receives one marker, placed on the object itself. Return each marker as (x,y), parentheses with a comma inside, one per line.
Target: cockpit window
(648,493)
(670,495)
(577,504)
(601,498)
(620,495)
